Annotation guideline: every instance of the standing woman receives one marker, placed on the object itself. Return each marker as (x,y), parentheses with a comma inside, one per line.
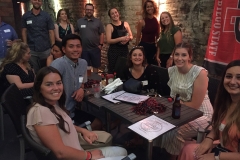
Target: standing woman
(118,35)
(63,26)
(170,36)
(148,30)
(226,124)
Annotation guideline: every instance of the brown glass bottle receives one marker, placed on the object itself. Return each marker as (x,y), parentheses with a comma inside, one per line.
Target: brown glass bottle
(176,109)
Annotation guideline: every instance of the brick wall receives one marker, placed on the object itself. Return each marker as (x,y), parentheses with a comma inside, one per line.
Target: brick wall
(6,12)
(193,17)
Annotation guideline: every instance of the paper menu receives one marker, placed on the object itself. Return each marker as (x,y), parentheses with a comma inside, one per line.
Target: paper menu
(151,127)
(110,97)
(131,98)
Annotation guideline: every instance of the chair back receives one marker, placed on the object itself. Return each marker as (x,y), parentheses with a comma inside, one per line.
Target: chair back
(41,152)
(161,80)
(14,104)
(213,84)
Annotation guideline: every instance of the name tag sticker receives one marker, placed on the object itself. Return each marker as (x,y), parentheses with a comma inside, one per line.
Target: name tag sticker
(29,22)
(7,30)
(83,26)
(80,79)
(145,83)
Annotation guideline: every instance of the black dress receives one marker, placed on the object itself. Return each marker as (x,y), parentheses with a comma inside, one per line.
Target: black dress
(63,32)
(116,50)
(14,69)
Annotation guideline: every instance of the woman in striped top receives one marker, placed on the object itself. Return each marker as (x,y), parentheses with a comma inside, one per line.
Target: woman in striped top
(191,83)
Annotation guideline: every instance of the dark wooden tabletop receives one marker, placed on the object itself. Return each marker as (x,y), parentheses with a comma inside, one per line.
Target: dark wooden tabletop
(124,111)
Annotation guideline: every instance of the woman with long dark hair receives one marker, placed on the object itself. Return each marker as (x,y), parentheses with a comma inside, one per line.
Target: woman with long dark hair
(148,30)
(49,124)
(225,121)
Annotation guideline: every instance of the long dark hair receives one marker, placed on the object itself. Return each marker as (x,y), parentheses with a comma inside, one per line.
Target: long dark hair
(222,102)
(38,97)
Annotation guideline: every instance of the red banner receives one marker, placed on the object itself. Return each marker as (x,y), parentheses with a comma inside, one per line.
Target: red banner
(224,38)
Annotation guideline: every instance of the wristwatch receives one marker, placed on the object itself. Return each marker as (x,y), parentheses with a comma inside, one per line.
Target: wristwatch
(216,155)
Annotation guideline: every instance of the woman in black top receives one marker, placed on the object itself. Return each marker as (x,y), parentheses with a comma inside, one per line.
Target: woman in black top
(63,26)
(16,69)
(118,35)
(137,68)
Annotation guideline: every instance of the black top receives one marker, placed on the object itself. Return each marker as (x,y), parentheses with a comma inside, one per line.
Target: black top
(149,75)
(63,32)
(119,31)
(14,69)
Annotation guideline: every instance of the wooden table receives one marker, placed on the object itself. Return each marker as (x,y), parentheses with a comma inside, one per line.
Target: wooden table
(124,112)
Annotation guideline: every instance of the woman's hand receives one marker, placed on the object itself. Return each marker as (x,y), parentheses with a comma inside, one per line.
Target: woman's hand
(169,62)
(209,156)
(158,61)
(125,39)
(204,147)
(97,154)
(89,136)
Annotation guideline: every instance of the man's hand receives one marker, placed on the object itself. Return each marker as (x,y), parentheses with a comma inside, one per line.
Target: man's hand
(78,95)
(169,62)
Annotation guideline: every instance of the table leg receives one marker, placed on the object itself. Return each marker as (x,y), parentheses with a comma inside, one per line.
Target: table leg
(149,150)
(108,121)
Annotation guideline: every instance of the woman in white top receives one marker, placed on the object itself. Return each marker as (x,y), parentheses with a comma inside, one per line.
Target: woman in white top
(191,82)
(50,125)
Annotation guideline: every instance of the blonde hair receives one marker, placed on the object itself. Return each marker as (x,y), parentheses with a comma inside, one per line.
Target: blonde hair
(166,29)
(15,54)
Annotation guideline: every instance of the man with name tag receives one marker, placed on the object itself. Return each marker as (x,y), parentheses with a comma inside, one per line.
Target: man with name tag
(91,31)
(7,36)
(74,74)
(38,33)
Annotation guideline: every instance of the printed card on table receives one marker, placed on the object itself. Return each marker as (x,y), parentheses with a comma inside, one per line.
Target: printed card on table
(151,127)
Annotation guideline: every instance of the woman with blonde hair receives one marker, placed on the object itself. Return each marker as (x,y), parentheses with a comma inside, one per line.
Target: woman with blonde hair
(148,30)
(63,25)
(170,35)
(16,69)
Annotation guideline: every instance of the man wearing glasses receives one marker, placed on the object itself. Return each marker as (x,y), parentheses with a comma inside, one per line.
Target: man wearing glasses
(91,31)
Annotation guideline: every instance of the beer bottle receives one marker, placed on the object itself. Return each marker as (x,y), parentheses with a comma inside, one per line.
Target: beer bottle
(176,109)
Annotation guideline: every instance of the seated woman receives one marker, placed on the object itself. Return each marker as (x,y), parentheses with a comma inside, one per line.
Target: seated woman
(191,82)
(138,69)
(16,69)
(50,125)
(225,121)
(56,52)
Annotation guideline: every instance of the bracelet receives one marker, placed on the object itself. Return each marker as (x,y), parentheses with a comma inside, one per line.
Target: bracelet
(210,138)
(89,155)
(171,57)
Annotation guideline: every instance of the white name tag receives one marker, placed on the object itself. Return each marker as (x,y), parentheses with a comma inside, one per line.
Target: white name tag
(29,22)
(145,83)
(7,30)
(80,79)
(83,26)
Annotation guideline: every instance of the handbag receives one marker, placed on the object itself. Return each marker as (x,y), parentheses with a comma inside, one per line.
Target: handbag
(133,86)
(104,140)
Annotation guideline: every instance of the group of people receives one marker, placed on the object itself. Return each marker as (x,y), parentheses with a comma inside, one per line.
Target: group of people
(58,89)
